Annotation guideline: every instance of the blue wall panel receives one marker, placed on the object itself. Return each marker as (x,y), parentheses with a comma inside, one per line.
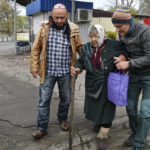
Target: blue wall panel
(84,5)
(47,5)
(43,5)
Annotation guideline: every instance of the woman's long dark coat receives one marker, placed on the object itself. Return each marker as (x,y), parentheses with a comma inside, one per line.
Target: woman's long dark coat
(97,107)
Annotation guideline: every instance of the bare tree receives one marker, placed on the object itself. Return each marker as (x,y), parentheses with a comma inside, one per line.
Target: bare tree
(136,6)
(128,3)
(144,7)
(116,3)
(122,2)
(140,6)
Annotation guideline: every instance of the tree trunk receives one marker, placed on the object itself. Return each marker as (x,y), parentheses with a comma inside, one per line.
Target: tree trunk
(122,2)
(116,3)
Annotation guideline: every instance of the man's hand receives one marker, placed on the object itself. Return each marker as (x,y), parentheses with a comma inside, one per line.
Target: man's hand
(123,65)
(34,74)
(75,71)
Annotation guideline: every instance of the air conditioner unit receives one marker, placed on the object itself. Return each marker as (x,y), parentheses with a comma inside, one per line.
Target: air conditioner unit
(83,15)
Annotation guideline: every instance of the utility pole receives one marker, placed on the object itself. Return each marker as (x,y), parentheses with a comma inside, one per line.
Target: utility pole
(15,29)
(31,34)
(73,11)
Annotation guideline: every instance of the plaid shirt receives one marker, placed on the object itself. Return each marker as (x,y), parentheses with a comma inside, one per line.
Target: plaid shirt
(58,53)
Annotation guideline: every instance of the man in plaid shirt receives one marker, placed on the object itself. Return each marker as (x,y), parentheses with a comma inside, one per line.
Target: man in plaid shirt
(53,53)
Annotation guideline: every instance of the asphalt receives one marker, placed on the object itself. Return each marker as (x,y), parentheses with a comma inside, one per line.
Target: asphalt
(18,113)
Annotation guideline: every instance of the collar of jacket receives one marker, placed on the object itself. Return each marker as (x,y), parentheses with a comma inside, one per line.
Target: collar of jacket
(132,28)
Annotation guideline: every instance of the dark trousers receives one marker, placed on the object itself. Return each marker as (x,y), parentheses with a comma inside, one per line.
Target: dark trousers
(139,122)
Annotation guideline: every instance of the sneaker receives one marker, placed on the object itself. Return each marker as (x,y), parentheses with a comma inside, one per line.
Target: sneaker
(130,141)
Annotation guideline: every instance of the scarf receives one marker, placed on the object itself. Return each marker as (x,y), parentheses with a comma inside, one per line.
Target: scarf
(96,61)
(65,26)
(132,24)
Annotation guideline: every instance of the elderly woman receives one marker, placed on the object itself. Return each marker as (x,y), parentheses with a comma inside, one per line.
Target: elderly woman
(98,58)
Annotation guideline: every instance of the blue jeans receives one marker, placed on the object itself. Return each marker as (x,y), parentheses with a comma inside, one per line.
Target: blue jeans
(46,90)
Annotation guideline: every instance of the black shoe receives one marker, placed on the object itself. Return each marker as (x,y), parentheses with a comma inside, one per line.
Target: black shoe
(130,141)
(102,144)
(137,148)
(96,128)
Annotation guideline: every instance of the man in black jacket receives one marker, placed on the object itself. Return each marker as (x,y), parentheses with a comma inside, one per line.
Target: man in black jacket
(136,37)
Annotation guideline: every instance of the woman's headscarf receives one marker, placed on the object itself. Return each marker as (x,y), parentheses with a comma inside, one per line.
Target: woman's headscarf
(101,33)
(96,55)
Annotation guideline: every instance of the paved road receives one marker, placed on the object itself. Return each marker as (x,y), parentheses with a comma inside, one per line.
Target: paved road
(8,48)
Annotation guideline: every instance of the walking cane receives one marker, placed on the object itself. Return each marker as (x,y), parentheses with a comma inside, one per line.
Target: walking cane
(71,115)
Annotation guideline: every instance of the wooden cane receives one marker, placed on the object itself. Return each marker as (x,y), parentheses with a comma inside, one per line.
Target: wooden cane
(71,113)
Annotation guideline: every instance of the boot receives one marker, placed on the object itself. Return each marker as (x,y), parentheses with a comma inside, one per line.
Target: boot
(102,138)
(137,148)
(130,141)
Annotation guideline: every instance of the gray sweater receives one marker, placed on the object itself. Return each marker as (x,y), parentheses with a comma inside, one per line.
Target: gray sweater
(138,46)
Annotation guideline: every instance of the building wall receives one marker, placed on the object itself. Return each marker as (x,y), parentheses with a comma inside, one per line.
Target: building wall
(105,22)
(83,27)
(37,21)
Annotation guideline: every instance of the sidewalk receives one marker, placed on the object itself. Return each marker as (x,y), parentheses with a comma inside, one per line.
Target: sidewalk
(18,113)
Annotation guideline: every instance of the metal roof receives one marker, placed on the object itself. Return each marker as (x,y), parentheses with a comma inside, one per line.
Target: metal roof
(23,2)
(47,5)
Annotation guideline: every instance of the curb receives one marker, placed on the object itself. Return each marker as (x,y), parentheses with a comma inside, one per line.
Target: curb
(84,136)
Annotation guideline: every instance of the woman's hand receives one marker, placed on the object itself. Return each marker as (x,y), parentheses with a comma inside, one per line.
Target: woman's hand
(119,59)
(75,71)
(121,63)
